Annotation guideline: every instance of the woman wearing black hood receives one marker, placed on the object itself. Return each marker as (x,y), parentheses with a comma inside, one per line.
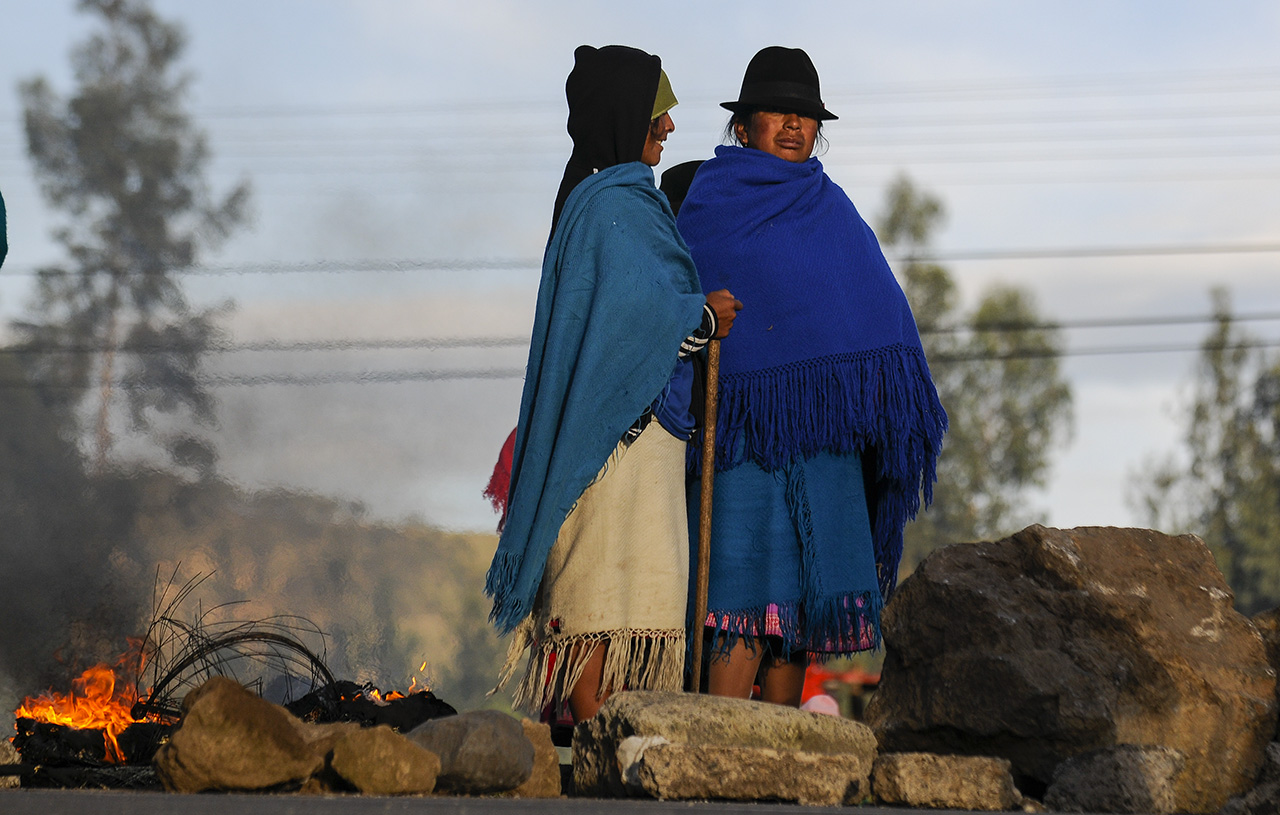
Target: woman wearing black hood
(592,566)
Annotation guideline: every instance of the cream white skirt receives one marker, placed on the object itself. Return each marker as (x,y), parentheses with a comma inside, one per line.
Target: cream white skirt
(618,574)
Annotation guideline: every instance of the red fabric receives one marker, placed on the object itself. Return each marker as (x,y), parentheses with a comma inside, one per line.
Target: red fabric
(817,676)
(500,481)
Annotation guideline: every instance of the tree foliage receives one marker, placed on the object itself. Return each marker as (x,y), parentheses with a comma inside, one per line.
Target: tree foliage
(1225,485)
(997,372)
(122,160)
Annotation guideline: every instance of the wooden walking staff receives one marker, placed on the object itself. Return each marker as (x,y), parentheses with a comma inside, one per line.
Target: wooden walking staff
(704,520)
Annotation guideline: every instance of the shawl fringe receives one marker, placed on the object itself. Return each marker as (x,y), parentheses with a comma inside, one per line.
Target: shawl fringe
(637,660)
(825,629)
(881,404)
(506,606)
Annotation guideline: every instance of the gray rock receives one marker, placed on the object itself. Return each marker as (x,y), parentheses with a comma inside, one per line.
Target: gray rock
(230,739)
(1270,772)
(544,781)
(481,752)
(1053,643)
(680,746)
(944,782)
(380,761)
(697,771)
(1125,778)
(1264,799)
(9,755)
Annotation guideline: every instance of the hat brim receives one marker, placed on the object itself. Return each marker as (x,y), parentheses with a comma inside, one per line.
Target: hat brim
(787,104)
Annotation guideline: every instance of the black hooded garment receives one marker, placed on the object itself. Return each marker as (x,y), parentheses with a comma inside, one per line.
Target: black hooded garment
(610,93)
(4,241)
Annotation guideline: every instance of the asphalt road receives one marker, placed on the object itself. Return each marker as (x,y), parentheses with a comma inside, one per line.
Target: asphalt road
(116,802)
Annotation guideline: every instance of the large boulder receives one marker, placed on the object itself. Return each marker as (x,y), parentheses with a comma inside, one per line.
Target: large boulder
(684,746)
(1052,643)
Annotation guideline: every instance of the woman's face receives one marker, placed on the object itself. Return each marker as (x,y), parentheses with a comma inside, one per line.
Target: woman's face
(659,129)
(785,135)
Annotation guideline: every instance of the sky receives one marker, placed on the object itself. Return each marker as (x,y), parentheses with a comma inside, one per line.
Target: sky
(403,157)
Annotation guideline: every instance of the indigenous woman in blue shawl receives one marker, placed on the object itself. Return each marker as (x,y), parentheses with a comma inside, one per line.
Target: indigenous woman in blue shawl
(591,570)
(829,425)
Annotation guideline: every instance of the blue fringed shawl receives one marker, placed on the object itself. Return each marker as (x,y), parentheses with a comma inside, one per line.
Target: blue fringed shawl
(825,354)
(618,295)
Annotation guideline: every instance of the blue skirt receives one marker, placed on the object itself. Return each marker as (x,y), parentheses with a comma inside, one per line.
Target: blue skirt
(791,557)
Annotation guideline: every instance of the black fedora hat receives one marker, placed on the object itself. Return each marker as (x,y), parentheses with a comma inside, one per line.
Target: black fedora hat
(780,78)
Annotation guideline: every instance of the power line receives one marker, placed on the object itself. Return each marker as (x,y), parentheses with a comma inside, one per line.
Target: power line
(413,144)
(378,135)
(1123,116)
(329,267)
(522,341)
(891,151)
(1150,250)
(324,378)
(361,377)
(939,181)
(1120,350)
(1127,84)
(364,266)
(411,376)
(1107,322)
(1163,82)
(412,344)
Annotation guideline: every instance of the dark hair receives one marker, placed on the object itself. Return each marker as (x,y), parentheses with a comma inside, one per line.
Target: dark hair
(743,116)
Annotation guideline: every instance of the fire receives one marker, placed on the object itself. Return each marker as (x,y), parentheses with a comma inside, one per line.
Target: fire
(378,697)
(101,699)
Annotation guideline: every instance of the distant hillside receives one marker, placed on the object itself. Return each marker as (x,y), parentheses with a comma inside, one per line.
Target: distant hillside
(390,597)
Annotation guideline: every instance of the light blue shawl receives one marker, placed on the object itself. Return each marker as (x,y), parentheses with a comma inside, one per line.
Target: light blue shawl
(619,293)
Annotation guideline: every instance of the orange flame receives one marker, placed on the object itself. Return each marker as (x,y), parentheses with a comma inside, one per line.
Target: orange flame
(378,697)
(101,699)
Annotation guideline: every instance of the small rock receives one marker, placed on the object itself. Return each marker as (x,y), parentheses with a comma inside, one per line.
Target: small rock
(945,781)
(8,755)
(481,752)
(1124,778)
(380,761)
(544,781)
(230,739)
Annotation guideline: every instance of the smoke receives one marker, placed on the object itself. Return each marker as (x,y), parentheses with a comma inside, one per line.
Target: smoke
(64,603)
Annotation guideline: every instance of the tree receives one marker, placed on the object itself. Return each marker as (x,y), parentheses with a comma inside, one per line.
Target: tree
(997,373)
(1226,486)
(123,161)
